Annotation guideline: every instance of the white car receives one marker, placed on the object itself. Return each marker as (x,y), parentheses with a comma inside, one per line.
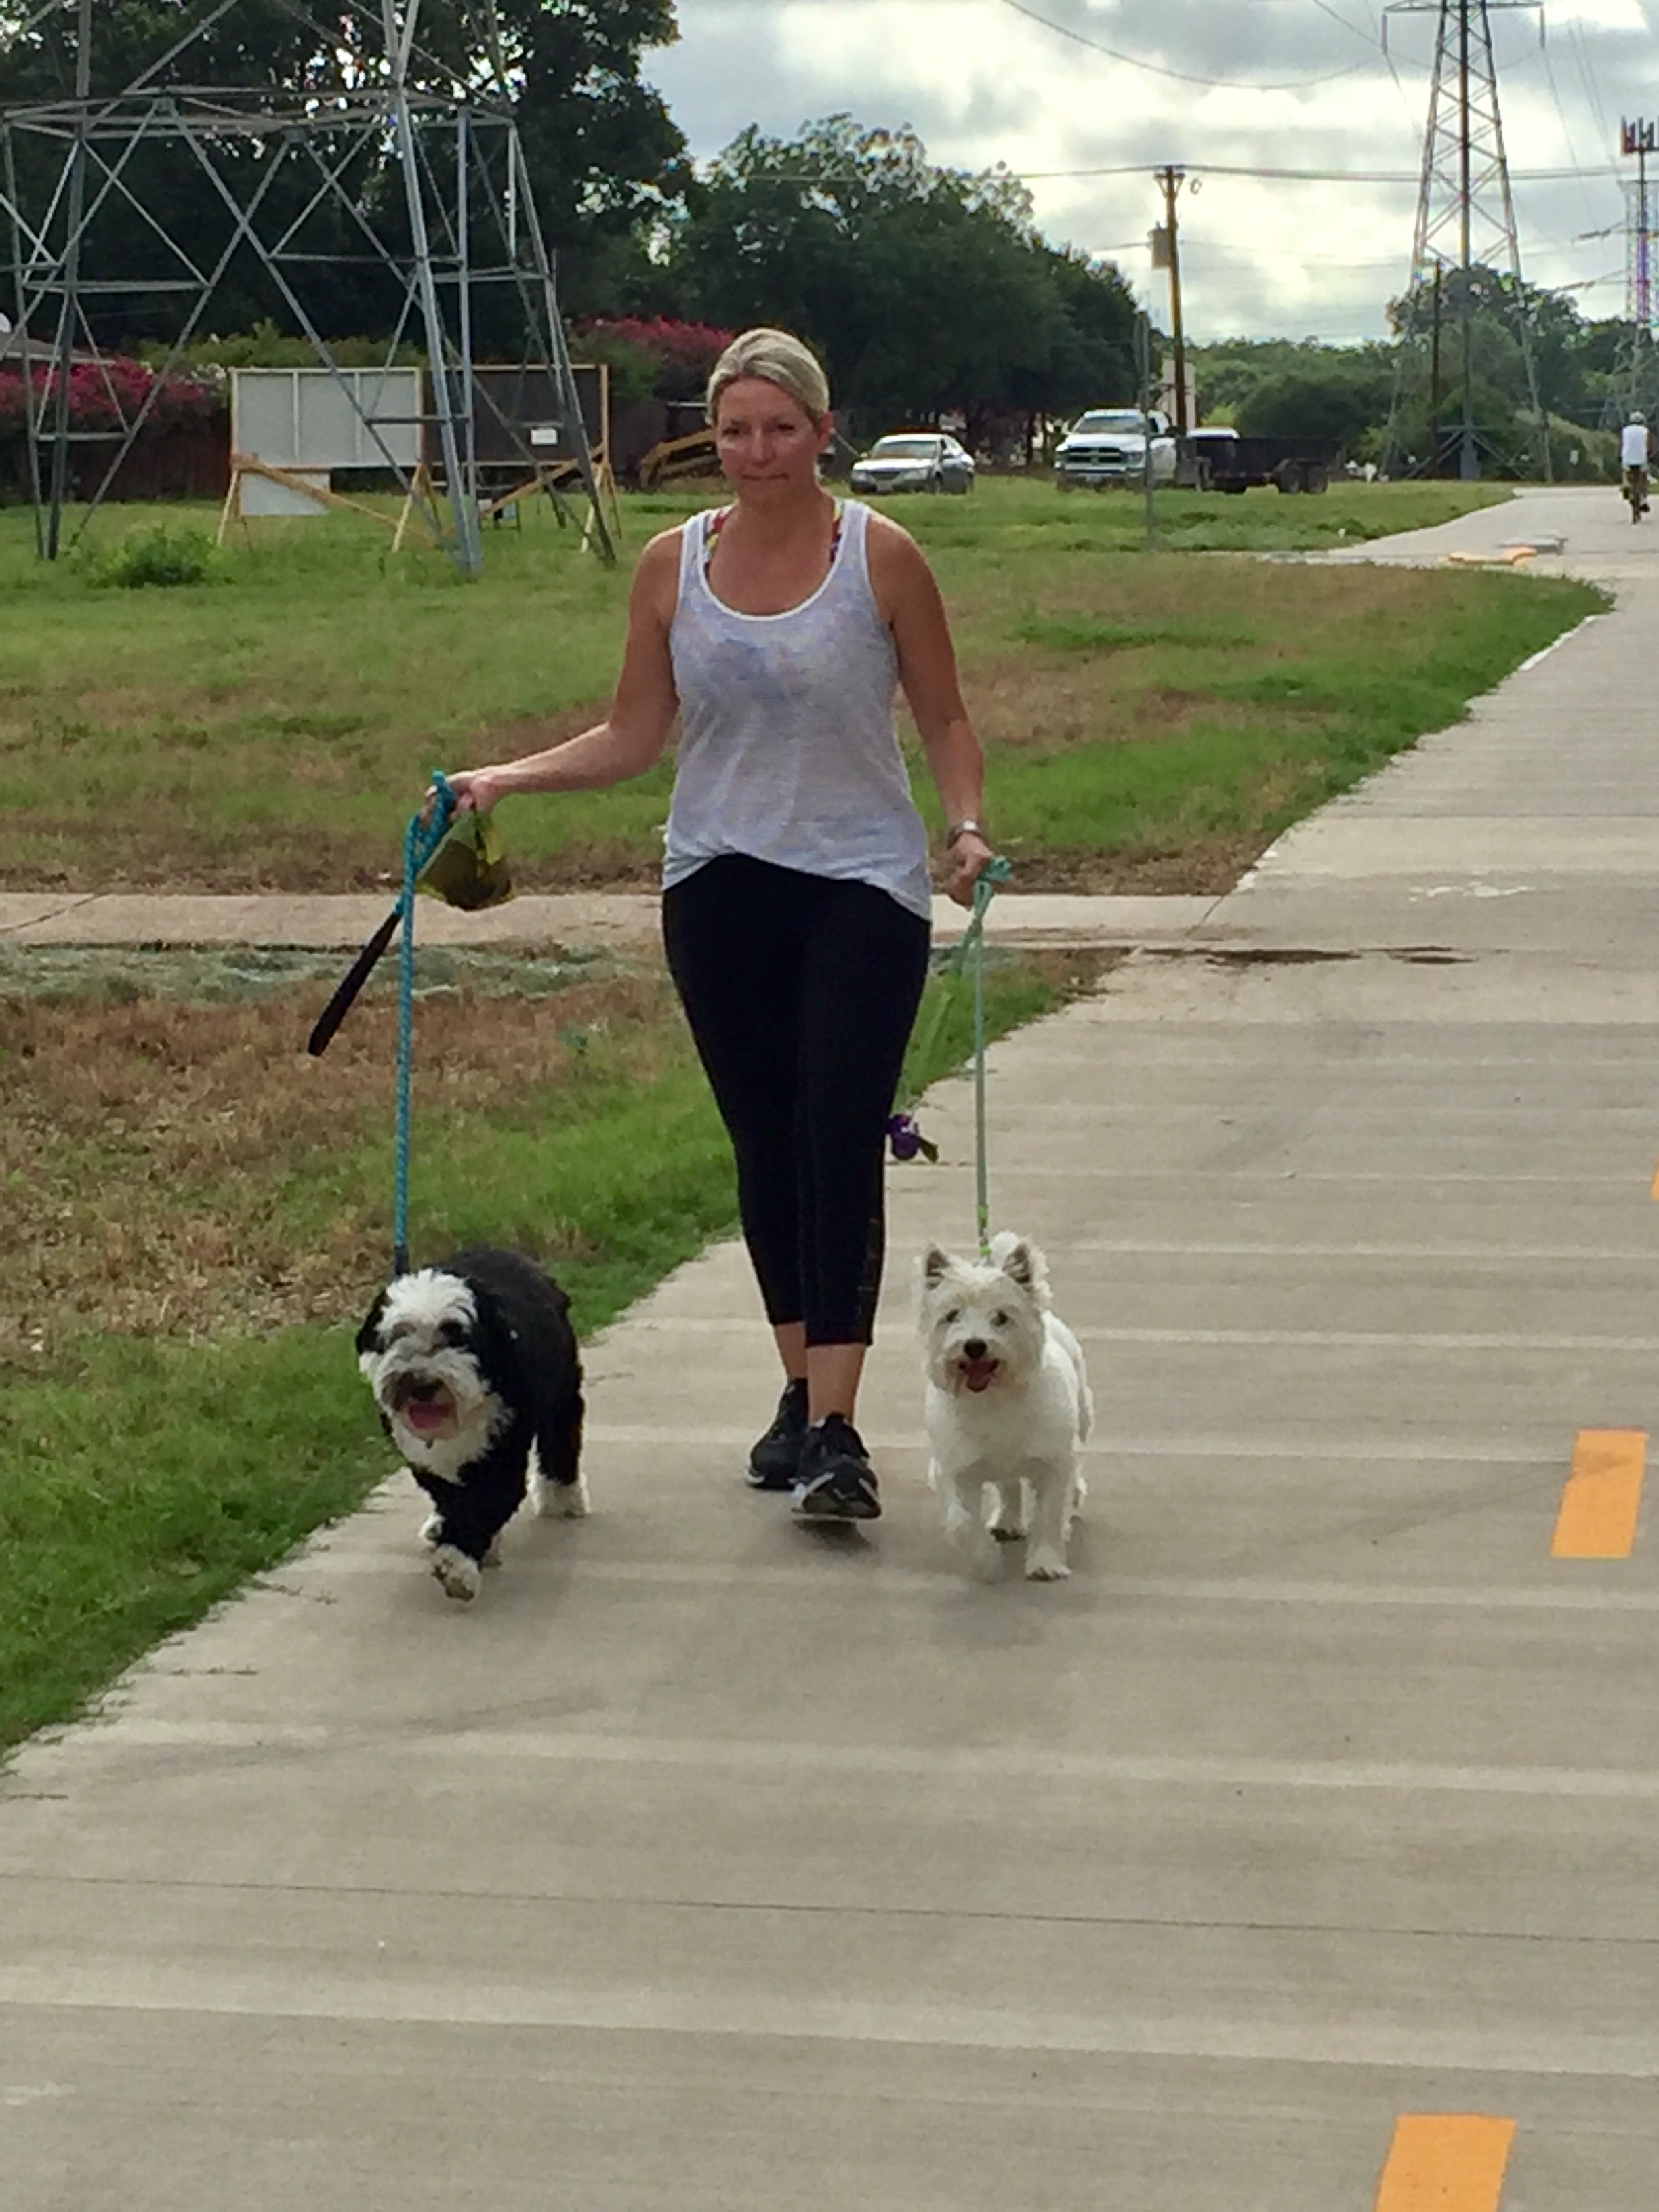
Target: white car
(914,460)
(1109,445)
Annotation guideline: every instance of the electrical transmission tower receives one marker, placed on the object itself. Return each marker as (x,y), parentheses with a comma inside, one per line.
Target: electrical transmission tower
(392,164)
(1466,244)
(1635,381)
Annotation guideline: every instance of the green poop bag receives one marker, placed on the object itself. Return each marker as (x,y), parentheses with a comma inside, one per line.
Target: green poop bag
(469,869)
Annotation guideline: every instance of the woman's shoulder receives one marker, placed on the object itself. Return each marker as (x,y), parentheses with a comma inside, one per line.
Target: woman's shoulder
(665,545)
(657,574)
(885,536)
(896,561)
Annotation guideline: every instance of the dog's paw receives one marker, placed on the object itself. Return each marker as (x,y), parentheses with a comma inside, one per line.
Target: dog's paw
(492,1557)
(1001,1535)
(458,1575)
(432,1529)
(1043,1564)
(564,1501)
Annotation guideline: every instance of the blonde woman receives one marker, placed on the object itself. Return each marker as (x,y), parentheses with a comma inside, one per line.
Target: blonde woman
(796,890)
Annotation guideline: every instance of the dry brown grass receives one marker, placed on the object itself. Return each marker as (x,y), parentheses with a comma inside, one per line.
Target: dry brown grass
(150,1151)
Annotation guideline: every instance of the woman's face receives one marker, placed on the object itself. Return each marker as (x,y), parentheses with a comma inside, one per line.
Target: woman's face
(766,441)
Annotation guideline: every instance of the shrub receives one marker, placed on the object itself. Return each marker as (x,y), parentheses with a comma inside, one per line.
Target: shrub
(156,555)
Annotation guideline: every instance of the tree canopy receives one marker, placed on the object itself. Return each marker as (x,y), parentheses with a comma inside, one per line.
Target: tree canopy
(602,150)
(925,288)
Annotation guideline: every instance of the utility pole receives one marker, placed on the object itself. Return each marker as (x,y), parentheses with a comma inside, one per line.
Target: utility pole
(1143,370)
(1166,254)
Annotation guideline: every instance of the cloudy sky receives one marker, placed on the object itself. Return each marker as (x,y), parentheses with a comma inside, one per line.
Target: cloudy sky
(1298,84)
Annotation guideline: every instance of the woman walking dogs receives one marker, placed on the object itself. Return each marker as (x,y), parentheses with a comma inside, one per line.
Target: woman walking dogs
(796,886)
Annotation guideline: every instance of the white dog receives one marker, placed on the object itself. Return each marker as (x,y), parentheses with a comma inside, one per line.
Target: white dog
(1008,1404)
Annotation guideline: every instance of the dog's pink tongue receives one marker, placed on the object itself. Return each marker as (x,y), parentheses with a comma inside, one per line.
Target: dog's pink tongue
(422,1414)
(977,1373)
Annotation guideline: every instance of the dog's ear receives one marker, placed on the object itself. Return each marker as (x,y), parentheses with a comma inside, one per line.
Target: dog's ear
(1021,1261)
(935,1263)
(368,1336)
(496,1343)
(1014,1259)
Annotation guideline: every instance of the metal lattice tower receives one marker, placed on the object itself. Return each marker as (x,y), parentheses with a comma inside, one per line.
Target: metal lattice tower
(1465,225)
(465,218)
(1635,378)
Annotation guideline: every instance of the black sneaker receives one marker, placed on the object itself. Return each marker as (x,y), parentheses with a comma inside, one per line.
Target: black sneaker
(775,1460)
(835,1482)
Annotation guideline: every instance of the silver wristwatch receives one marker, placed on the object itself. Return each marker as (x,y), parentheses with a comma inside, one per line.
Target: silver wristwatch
(962,829)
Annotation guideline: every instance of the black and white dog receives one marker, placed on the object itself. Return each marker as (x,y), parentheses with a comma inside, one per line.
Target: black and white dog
(475,1372)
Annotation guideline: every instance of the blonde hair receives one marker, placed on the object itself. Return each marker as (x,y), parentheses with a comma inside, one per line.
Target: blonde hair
(781,359)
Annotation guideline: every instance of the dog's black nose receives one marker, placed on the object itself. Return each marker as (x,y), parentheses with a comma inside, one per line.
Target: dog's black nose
(974,1348)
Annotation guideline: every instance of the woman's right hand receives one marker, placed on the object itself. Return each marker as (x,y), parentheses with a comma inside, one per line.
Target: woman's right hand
(474,791)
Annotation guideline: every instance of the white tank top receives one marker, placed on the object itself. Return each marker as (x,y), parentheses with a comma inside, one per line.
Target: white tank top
(787,750)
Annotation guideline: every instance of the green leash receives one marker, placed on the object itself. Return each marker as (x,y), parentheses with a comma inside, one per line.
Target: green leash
(969,955)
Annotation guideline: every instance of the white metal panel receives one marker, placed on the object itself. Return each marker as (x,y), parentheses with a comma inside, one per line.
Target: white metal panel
(309,418)
(263,495)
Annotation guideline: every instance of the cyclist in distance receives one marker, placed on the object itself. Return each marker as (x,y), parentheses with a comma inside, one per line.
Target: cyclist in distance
(1633,459)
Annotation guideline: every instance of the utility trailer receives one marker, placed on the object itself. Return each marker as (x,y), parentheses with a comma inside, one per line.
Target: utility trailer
(1233,464)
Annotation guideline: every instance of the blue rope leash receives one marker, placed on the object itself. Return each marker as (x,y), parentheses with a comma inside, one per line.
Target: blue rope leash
(420,844)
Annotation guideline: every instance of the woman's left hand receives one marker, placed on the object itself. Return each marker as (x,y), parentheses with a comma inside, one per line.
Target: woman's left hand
(963,863)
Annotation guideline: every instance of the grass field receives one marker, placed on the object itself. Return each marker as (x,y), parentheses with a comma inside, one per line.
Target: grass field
(1153,722)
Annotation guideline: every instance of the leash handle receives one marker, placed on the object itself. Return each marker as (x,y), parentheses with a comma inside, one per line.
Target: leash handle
(421,840)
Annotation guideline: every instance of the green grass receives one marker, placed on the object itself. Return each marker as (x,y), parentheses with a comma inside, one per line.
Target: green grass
(144,1476)
(272,726)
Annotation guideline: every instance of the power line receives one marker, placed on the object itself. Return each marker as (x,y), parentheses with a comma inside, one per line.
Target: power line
(1326,8)
(1272,175)
(1181,76)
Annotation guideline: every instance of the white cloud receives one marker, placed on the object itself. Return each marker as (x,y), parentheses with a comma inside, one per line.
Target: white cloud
(983,83)
(1600,15)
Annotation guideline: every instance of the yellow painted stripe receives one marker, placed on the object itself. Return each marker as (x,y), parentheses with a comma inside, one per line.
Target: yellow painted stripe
(1603,1496)
(1445,2162)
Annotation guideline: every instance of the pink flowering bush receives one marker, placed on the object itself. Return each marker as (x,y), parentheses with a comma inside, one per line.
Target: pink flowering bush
(102,396)
(653,355)
(107,395)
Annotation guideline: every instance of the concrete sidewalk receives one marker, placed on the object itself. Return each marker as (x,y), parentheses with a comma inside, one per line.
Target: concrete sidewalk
(708,1864)
(533,921)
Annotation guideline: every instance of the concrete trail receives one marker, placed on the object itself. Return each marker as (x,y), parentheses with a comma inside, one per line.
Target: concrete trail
(705,1864)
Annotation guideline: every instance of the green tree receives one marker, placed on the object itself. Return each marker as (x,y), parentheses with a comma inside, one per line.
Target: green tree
(925,288)
(603,152)
(1338,398)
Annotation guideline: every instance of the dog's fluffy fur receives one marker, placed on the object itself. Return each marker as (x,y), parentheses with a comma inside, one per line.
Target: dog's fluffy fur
(475,1370)
(1008,1404)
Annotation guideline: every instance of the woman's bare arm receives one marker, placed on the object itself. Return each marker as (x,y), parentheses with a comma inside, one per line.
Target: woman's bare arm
(632,736)
(909,597)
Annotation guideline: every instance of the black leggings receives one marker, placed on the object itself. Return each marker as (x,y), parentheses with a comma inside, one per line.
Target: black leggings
(800,992)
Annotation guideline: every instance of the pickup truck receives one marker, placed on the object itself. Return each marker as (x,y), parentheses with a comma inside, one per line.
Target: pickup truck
(1108,446)
(1227,462)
